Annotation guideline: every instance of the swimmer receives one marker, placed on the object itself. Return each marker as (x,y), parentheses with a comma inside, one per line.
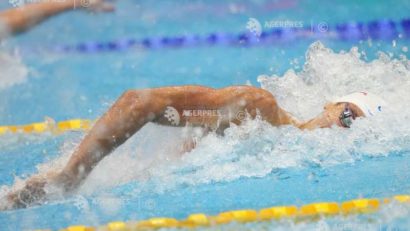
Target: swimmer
(196,106)
(17,20)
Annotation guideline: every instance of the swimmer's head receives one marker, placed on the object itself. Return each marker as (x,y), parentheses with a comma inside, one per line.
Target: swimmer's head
(343,111)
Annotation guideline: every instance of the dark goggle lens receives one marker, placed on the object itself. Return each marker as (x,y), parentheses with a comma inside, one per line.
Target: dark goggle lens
(346,121)
(346,117)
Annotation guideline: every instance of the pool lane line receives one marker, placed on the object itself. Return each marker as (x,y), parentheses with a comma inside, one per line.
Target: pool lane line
(309,212)
(378,29)
(49,125)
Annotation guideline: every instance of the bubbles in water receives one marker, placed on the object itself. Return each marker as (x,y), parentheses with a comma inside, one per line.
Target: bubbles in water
(12,70)
(109,205)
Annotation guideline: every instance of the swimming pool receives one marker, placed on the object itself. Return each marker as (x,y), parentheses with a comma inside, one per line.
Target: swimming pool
(252,166)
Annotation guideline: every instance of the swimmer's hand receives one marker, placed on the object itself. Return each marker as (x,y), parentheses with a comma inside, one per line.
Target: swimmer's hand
(188,145)
(32,193)
(95,5)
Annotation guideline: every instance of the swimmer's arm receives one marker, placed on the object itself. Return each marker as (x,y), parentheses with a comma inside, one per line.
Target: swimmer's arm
(20,19)
(273,113)
(130,113)
(191,142)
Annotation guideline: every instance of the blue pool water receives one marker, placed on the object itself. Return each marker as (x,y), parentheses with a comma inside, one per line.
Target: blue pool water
(252,166)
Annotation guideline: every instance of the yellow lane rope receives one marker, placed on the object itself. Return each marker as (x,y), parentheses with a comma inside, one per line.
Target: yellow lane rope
(314,210)
(49,125)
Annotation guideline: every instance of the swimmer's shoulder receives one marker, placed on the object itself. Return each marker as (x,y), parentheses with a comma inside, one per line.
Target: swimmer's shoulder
(246,89)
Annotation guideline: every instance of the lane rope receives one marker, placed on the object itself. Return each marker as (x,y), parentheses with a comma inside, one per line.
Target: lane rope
(309,212)
(49,125)
(378,29)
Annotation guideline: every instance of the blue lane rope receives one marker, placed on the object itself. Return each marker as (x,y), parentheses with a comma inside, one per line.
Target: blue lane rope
(382,29)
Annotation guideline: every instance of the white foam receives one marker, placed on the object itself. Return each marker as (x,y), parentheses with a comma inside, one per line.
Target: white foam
(256,148)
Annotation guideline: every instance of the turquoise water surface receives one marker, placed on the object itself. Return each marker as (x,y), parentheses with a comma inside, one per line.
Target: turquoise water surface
(239,172)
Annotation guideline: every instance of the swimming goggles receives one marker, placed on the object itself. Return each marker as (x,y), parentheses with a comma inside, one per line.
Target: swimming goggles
(346,117)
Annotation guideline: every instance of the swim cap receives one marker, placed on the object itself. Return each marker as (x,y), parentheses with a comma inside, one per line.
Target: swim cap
(369,103)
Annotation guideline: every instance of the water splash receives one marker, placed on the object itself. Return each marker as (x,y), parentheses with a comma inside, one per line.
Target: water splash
(256,148)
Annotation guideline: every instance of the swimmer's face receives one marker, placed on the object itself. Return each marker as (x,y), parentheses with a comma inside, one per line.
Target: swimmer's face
(333,111)
(331,116)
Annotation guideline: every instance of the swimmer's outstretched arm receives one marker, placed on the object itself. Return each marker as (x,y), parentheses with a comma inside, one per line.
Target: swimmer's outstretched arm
(136,108)
(130,113)
(20,19)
